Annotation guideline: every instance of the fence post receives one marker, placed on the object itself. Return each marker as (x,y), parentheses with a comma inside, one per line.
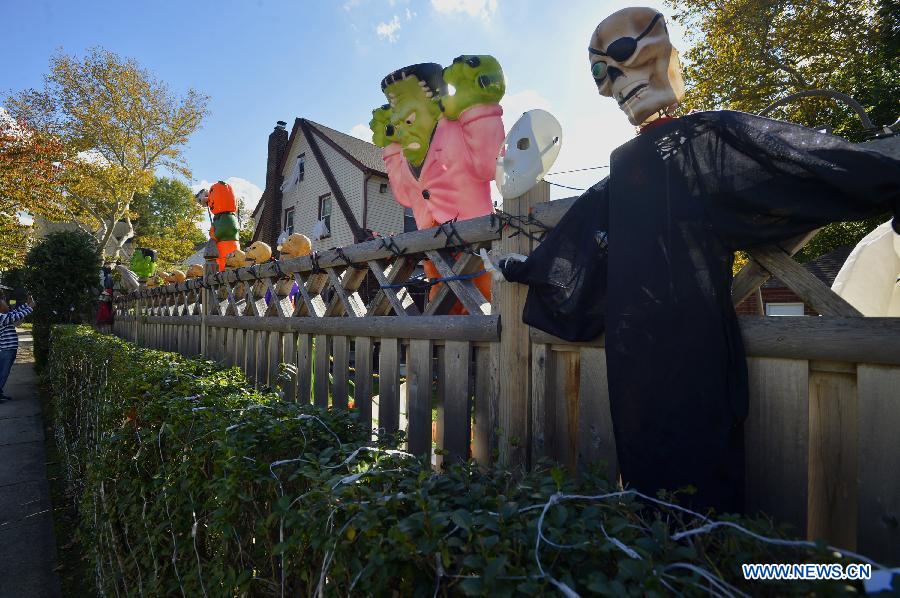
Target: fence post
(137,318)
(515,346)
(206,294)
(133,307)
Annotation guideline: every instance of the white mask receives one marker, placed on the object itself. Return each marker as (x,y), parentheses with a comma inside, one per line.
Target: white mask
(530,149)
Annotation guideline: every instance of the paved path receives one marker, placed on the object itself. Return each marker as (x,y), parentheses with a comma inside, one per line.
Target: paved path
(27,544)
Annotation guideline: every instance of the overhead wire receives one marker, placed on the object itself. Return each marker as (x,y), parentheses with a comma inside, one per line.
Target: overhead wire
(571,171)
(577,170)
(564,186)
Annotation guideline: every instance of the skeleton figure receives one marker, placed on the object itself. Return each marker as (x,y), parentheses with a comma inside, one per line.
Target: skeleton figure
(646,256)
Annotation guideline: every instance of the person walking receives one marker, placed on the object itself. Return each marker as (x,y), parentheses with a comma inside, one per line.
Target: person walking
(9,340)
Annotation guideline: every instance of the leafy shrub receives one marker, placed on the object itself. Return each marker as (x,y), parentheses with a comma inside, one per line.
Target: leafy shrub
(62,272)
(15,280)
(190,482)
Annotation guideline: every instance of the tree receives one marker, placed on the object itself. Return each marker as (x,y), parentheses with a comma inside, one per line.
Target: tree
(16,240)
(62,272)
(245,217)
(166,220)
(746,54)
(29,168)
(117,124)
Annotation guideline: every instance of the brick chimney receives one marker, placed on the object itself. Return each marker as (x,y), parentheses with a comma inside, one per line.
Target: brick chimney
(269,226)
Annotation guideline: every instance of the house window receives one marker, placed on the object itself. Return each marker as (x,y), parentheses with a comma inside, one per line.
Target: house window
(382,188)
(301,164)
(325,211)
(289,221)
(409,221)
(784,309)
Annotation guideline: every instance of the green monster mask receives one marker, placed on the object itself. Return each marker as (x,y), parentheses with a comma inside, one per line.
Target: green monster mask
(418,99)
(414,95)
(143,262)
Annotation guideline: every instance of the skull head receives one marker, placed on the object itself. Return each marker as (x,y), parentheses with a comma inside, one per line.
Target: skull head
(633,61)
(259,253)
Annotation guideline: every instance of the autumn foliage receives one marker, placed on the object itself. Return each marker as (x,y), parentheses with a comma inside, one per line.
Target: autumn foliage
(30,164)
(113,123)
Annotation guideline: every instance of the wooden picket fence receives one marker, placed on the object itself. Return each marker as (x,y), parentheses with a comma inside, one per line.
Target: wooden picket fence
(823,434)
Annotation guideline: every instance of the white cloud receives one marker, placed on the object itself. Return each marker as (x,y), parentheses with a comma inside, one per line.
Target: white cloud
(10,126)
(242,189)
(588,139)
(516,103)
(362,131)
(6,119)
(474,8)
(410,15)
(93,157)
(389,30)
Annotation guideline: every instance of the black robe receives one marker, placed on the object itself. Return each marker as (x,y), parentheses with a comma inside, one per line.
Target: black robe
(646,256)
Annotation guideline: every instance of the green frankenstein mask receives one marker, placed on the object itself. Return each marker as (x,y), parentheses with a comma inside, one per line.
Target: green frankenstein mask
(143,262)
(414,94)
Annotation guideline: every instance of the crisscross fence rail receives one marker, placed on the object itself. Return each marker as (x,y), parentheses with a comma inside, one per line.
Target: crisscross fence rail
(822,434)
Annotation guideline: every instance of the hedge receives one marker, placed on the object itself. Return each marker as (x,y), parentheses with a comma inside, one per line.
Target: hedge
(62,272)
(191,483)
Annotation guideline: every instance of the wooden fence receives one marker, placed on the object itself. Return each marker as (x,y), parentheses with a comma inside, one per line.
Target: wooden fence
(823,433)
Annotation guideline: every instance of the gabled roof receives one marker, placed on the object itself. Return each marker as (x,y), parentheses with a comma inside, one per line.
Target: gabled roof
(258,208)
(364,155)
(311,138)
(367,155)
(825,267)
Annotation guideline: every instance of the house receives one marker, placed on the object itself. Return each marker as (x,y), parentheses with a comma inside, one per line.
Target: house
(42,227)
(779,300)
(197,258)
(327,185)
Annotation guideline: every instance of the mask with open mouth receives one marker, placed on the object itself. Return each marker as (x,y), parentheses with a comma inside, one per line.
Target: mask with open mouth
(414,94)
(633,62)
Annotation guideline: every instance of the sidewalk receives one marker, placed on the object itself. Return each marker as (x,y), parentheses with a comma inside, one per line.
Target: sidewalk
(27,544)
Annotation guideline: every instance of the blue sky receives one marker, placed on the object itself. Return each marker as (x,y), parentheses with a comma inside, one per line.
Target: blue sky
(267,60)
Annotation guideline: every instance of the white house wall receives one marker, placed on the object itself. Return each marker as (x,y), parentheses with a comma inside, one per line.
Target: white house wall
(349,177)
(41,228)
(304,198)
(385,214)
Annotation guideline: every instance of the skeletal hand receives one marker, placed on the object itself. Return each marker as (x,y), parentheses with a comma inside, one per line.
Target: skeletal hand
(493,261)
(129,279)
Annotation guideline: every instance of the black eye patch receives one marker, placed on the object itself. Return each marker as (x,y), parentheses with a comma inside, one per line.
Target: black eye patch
(623,48)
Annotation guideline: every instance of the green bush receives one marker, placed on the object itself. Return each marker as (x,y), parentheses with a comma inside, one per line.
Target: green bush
(191,483)
(62,272)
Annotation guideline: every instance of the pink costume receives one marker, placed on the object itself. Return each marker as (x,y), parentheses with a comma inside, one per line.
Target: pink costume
(457,172)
